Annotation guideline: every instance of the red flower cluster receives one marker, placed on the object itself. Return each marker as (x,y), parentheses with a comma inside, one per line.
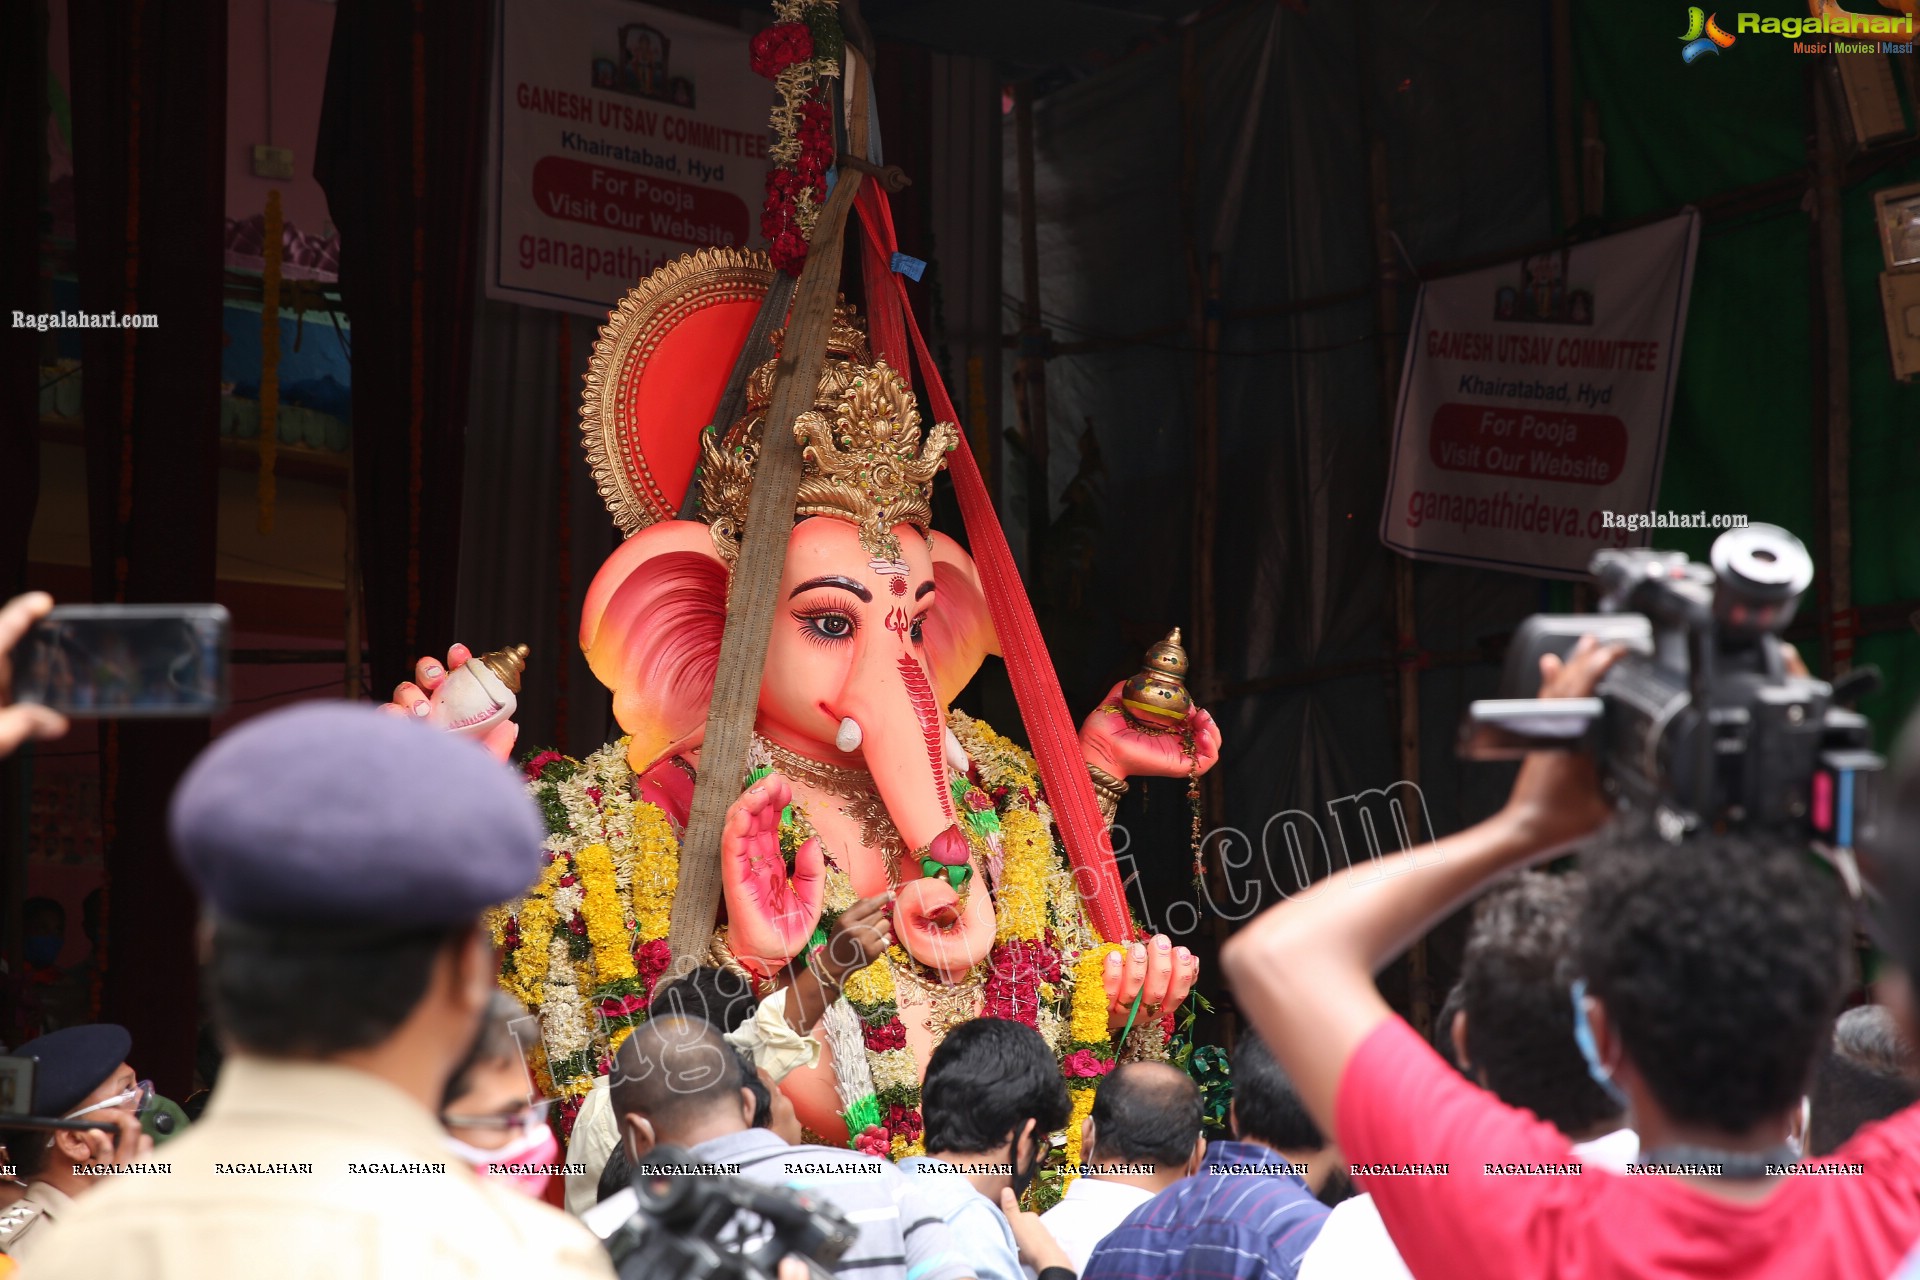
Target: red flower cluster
(1049,962)
(1005,795)
(873,1141)
(577,926)
(904,1122)
(652,959)
(621,1006)
(1015,972)
(538,765)
(780,216)
(816,145)
(779,47)
(1085,1064)
(882,1036)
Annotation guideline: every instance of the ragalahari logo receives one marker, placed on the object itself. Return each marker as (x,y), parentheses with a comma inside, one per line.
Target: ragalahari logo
(1887,33)
(1703,35)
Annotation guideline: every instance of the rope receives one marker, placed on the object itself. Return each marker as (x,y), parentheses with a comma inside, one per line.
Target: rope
(1036,686)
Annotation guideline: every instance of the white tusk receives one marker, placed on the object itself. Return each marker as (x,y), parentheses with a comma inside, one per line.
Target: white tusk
(848,739)
(957,755)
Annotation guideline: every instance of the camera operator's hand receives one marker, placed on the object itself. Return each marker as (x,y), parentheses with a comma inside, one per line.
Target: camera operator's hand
(863,931)
(859,937)
(1556,800)
(22,722)
(1303,971)
(1038,1248)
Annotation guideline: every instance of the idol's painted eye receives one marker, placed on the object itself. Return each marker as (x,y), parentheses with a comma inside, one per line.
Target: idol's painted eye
(825,626)
(919,626)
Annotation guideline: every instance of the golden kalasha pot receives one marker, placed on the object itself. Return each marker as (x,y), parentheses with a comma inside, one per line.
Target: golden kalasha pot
(1156,697)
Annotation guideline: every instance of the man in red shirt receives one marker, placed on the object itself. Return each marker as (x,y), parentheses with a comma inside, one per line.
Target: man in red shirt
(1712,973)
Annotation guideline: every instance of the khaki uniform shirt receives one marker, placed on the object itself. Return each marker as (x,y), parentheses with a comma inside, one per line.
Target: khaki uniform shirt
(304,1171)
(27,1223)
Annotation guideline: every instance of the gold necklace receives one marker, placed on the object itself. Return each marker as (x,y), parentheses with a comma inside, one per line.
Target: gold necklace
(948,1003)
(853,785)
(844,781)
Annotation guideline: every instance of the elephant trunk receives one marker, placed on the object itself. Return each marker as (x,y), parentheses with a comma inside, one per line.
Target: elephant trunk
(903,733)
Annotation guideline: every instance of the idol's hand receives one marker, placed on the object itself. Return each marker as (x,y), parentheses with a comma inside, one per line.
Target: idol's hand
(1158,972)
(770,915)
(412,698)
(1111,742)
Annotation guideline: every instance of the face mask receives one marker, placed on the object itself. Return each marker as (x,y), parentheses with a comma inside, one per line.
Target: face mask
(538,1148)
(1583,1037)
(41,949)
(1023,1178)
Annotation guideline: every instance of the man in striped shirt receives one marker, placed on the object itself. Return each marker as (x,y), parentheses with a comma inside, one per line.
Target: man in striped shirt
(1250,1213)
(677,1082)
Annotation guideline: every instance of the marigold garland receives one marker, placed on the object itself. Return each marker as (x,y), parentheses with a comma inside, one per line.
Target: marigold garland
(656,872)
(1088,1022)
(606,919)
(887,1121)
(525,935)
(1076,1120)
(1090,1044)
(1026,849)
(586,945)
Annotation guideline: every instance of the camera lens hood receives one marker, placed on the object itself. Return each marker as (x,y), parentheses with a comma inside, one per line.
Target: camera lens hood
(1761,564)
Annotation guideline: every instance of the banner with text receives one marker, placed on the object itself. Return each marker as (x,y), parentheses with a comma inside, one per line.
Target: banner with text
(623,137)
(1534,404)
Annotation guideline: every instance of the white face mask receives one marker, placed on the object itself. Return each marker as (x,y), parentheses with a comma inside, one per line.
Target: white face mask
(537,1147)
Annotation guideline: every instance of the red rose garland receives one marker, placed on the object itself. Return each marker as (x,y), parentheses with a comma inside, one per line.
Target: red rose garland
(779,47)
(799,54)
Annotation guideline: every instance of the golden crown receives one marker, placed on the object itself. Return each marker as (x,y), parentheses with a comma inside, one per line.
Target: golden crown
(863,458)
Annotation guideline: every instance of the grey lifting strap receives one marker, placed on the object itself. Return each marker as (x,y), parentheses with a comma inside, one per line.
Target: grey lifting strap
(755,583)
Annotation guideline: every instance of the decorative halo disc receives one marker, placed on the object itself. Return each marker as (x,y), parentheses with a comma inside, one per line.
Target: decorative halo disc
(658,370)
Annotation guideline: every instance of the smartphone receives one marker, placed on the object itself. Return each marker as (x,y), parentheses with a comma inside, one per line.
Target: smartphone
(126,660)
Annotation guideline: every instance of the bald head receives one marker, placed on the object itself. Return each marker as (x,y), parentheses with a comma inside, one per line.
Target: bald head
(1146,1112)
(679,1074)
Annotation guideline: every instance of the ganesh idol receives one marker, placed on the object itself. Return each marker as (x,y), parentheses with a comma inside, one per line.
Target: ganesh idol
(862,778)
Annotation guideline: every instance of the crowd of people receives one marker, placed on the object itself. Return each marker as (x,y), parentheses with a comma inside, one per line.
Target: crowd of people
(1644,1070)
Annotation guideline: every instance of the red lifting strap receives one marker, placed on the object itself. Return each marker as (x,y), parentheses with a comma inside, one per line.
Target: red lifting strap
(1056,744)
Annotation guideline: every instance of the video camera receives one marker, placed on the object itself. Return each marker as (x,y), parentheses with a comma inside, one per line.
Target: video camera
(1700,725)
(674,1225)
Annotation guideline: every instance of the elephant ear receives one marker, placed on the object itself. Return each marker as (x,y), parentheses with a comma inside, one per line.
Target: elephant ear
(651,628)
(960,630)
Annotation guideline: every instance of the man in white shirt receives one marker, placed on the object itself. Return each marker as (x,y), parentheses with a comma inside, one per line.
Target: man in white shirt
(1143,1136)
(1515,1035)
(775,1033)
